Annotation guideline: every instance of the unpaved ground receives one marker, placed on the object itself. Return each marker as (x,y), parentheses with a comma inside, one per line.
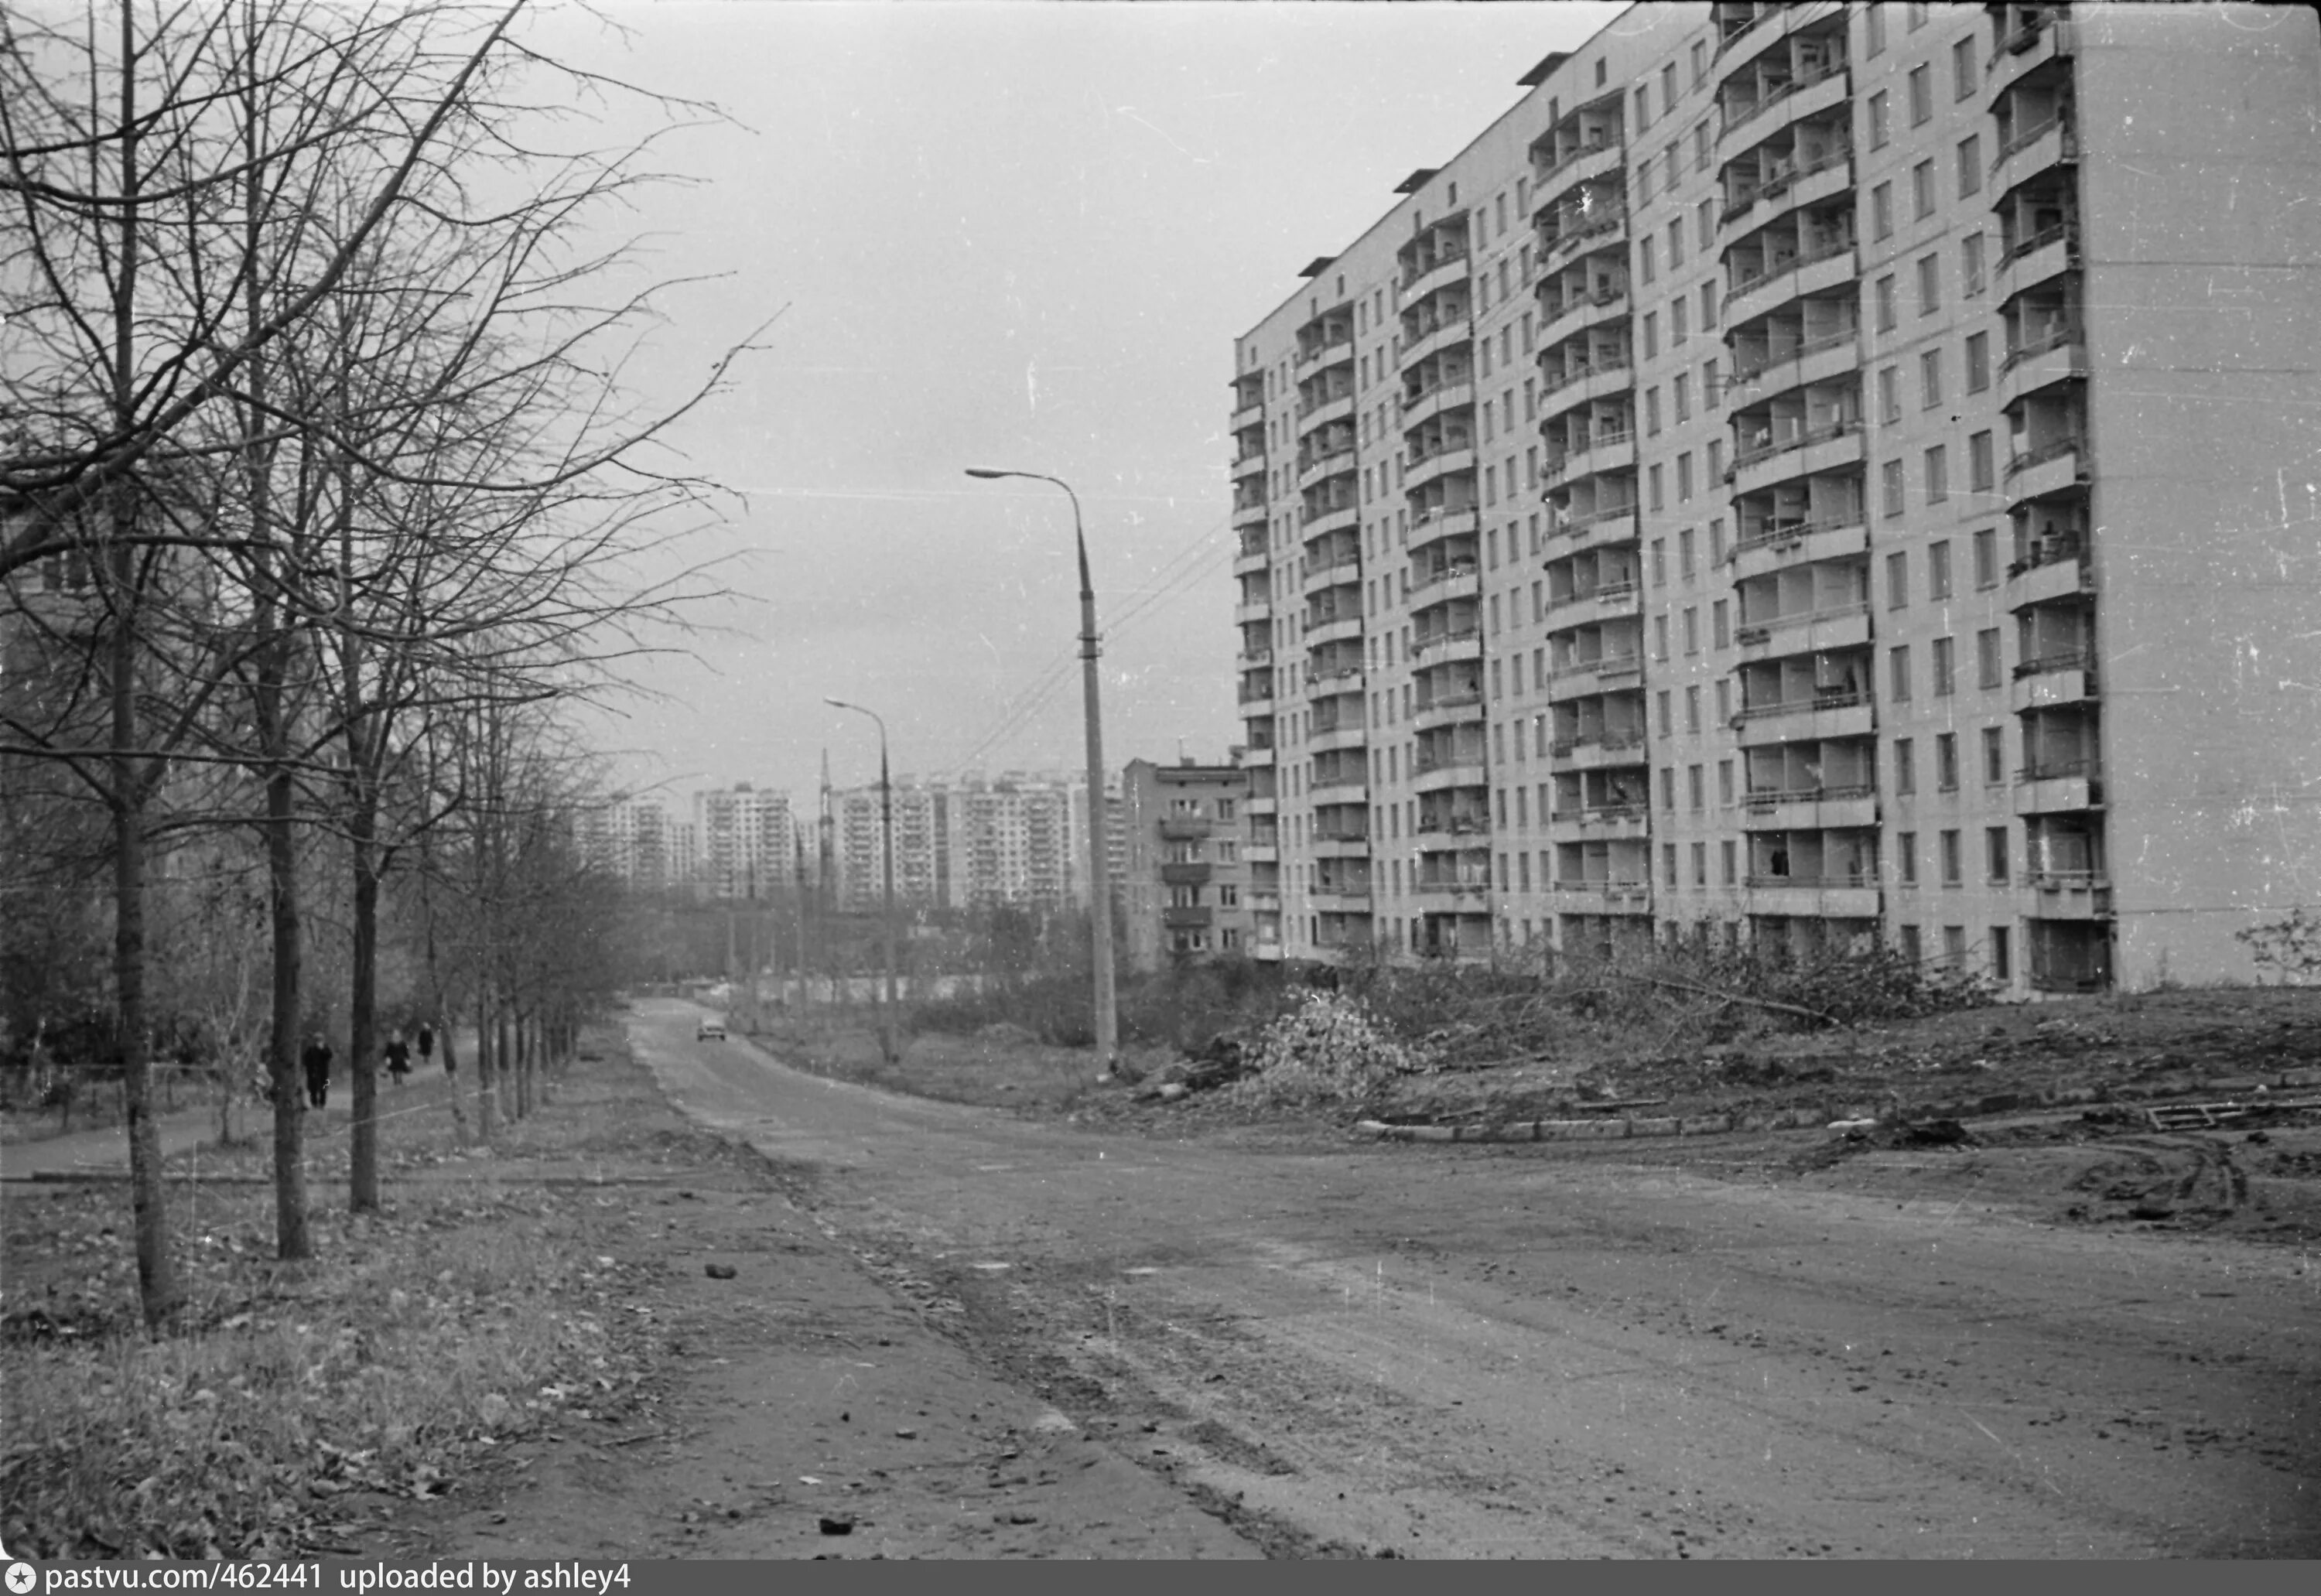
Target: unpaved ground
(1738,1345)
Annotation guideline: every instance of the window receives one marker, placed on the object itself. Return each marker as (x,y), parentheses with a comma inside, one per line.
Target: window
(1905,863)
(1938,570)
(1600,67)
(1667,87)
(1708,311)
(1994,854)
(1729,863)
(1696,788)
(1660,562)
(1971,265)
(1886,302)
(1651,413)
(1980,465)
(1881,129)
(1652,334)
(1680,395)
(1916,13)
(1664,701)
(1945,671)
(1994,756)
(1938,474)
(1921,190)
(1986,658)
(1669,166)
(1725,700)
(1953,871)
(1692,646)
(1725,782)
(1898,580)
(1652,483)
(2002,953)
(1970,165)
(1699,62)
(1701,864)
(1986,558)
(1704,227)
(1890,395)
(1692,709)
(1643,182)
(1962,69)
(1668,863)
(1910,948)
(1954,946)
(1643,104)
(1720,623)
(1684,484)
(1897,662)
(1648,259)
(1874,25)
(1676,243)
(1700,147)
(1684,541)
(1660,647)
(1889,475)
(1881,211)
(1906,767)
(1946,766)
(1922,94)
(1977,361)
(1930,284)
(1679,313)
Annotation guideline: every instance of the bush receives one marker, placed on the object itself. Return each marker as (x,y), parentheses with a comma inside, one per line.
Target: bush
(1327,1049)
(2293,946)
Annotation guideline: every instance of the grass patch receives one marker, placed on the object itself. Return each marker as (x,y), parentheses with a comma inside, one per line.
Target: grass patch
(300,1397)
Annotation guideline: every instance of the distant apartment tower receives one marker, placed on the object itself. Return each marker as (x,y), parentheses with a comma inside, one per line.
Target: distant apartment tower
(1183,882)
(748,841)
(635,840)
(1808,474)
(971,842)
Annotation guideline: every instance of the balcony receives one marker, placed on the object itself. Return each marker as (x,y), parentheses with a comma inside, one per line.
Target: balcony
(1608,451)
(1839,626)
(2051,467)
(1259,610)
(1256,692)
(1350,842)
(1348,779)
(1601,822)
(1811,808)
(1618,751)
(2032,152)
(2058,576)
(1612,601)
(1431,828)
(1584,679)
(1583,312)
(1827,83)
(2059,787)
(1831,897)
(1824,359)
(2053,680)
(1450,394)
(1427,468)
(1829,447)
(2043,38)
(1249,464)
(1350,733)
(1581,166)
(1448,271)
(1320,356)
(1178,918)
(1609,225)
(2047,253)
(1830,267)
(1250,659)
(1777,544)
(2067,895)
(1449,331)
(1250,414)
(1184,828)
(1342,900)
(1342,627)
(1816,719)
(1441,772)
(1465,642)
(1817,183)
(1626,896)
(1321,467)
(2056,356)
(1459,580)
(1600,378)
(1185,874)
(1248,562)
(1447,709)
(1435,525)
(1597,529)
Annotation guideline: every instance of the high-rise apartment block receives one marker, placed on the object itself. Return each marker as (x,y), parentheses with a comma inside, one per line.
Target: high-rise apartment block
(1808,473)
(973,842)
(636,840)
(749,842)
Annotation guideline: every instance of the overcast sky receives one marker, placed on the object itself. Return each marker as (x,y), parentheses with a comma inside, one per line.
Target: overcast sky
(1014,236)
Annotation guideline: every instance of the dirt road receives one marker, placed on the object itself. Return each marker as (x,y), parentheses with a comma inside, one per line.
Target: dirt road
(1518,1351)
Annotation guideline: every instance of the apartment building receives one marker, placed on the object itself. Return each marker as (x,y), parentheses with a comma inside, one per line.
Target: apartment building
(1018,838)
(1807,473)
(748,842)
(1183,883)
(637,841)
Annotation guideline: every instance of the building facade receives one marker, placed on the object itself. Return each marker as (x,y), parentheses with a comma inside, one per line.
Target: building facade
(1806,474)
(1183,882)
(971,843)
(747,842)
(637,841)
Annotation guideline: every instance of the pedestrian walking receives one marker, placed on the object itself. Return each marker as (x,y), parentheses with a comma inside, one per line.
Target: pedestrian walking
(398,1056)
(427,1046)
(316,1058)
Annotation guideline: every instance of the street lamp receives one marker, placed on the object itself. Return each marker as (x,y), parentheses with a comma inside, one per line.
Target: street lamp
(1108,1016)
(886,825)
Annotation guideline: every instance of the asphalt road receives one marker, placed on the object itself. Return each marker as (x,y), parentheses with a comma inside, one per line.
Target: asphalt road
(1543,1351)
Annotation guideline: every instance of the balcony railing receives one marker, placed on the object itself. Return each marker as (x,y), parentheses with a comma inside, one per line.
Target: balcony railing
(2060,770)
(1617,361)
(1780,532)
(1448,573)
(1765,798)
(1837,699)
(1461,826)
(2071,658)
(2032,135)
(1797,262)
(1828,432)
(2066,332)
(2067,229)
(2054,449)
(1736,121)
(1745,375)
(1451,700)
(1253,691)
(2068,880)
(1427,760)
(1829,880)
(2047,551)
(1443,639)
(2026,36)
(1762,631)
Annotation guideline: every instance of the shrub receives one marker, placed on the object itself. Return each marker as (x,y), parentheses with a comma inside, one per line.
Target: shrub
(2292,946)
(1327,1049)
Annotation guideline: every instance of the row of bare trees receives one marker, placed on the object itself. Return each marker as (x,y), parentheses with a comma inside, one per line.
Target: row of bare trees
(320,492)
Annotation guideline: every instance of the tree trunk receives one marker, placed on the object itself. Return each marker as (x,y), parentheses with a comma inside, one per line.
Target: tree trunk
(487,1118)
(362,1029)
(290,1237)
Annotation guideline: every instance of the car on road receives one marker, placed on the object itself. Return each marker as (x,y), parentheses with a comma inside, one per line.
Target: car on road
(709,1030)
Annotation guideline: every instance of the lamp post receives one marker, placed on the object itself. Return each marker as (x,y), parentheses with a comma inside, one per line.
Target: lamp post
(1107,1016)
(887,827)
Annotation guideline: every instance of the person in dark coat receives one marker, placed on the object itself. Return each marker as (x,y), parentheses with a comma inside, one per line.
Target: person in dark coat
(427,1046)
(398,1056)
(316,1058)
